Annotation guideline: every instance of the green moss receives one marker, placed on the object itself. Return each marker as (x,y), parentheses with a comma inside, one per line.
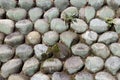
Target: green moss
(110,22)
(55,48)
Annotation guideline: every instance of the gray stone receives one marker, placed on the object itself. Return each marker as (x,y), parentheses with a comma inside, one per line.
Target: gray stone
(116,23)
(26,4)
(6,53)
(61,4)
(84,76)
(87,13)
(35,13)
(6,26)
(24,51)
(108,37)
(104,76)
(117,13)
(33,38)
(40,76)
(11,67)
(94,64)
(69,12)
(2,36)
(2,13)
(16,14)
(115,49)
(58,25)
(30,66)
(50,38)
(17,77)
(41,26)
(60,76)
(51,14)
(98,25)
(14,39)
(73,64)
(78,3)
(97,4)
(105,13)
(51,65)
(89,37)
(24,26)
(118,76)
(113,64)
(80,49)
(44,4)
(113,3)
(101,50)
(8,4)
(69,38)
(79,26)
(41,51)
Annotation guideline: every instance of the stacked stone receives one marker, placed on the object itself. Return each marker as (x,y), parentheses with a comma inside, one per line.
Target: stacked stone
(59,40)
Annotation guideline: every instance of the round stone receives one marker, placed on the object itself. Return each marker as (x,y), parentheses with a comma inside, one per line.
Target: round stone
(51,65)
(50,38)
(40,51)
(89,37)
(105,13)
(97,4)
(6,53)
(33,38)
(73,64)
(60,76)
(84,76)
(41,26)
(94,64)
(6,26)
(78,3)
(101,50)
(40,76)
(69,12)
(116,22)
(11,67)
(58,25)
(104,76)
(2,13)
(112,64)
(30,66)
(14,39)
(98,25)
(80,49)
(2,36)
(115,49)
(79,26)
(24,51)
(51,14)
(16,14)
(44,4)
(24,26)
(26,4)
(61,4)
(35,13)
(69,38)
(8,4)
(108,37)
(85,13)
(17,77)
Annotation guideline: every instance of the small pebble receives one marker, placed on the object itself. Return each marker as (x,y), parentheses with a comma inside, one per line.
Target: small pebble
(118,76)
(30,66)
(94,64)
(101,50)
(24,26)
(113,64)
(50,38)
(116,22)
(73,64)
(35,13)
(51,65)
(24,51)
(11,67)
(41,26)
(16,14)
(14,39)
(17,77)
(80,49)
(33,38)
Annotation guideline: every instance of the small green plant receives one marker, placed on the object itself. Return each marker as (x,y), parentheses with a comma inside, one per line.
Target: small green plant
(110,22)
